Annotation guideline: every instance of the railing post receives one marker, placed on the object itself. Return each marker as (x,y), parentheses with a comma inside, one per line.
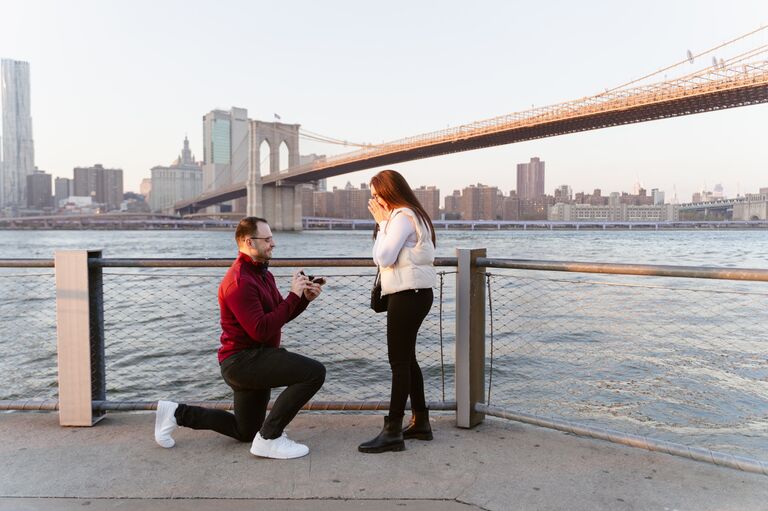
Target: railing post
(470,337)
(80,337)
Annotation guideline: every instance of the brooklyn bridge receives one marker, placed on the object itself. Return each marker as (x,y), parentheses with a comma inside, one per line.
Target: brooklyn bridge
(741,80)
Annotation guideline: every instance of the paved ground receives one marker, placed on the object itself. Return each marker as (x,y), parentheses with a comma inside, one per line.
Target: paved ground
(498,466)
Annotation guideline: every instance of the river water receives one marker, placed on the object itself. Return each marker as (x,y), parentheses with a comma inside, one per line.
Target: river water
(697,248)
(677,359)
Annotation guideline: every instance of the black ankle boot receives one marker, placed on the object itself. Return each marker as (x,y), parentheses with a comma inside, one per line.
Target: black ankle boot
(419,427)
(390,438)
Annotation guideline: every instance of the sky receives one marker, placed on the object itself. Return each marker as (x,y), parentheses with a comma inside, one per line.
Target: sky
(122,83)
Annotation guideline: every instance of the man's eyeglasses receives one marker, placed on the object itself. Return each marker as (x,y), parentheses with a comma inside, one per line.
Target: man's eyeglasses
(268,239)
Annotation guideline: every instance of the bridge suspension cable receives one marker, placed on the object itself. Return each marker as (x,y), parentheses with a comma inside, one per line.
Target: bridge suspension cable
(731,61)
(690,58)
(317,137)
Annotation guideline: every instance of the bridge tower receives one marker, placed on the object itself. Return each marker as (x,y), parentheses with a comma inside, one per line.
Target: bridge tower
(280,202)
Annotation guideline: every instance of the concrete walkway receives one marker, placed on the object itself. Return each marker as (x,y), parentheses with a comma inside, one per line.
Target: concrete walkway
(499,465)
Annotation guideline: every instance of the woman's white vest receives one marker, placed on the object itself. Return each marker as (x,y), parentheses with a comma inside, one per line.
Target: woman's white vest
(414,267)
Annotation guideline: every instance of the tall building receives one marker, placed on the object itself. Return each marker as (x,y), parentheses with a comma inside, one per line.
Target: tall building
(530,179)
(182,179)
(104,186)
(351,202)
(64,188)
(17,158)
(453,206)
(225,150)
(481,202)
(322,204)
(563,193)
(429,197)
(39,190)
(511,207)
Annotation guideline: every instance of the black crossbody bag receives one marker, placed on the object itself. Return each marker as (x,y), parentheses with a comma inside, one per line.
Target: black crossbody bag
(378,302)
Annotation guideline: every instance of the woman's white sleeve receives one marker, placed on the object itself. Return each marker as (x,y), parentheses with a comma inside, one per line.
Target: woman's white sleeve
(391,238)
(377,242)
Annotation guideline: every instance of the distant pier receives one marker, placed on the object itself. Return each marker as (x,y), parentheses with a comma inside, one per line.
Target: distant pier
(134,221)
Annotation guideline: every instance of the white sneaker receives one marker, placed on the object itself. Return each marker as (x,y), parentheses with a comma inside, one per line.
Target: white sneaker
(282,448)
(165,423)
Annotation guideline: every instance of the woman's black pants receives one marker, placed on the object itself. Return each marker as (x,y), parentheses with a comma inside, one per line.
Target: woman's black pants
(406,311)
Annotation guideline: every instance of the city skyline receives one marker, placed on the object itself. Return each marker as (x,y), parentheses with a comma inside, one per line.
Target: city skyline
(349,79)
(184,177)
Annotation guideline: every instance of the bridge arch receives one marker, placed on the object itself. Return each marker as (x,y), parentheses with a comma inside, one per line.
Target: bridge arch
(277,135)
(264,153)
(278,202)
(283,157)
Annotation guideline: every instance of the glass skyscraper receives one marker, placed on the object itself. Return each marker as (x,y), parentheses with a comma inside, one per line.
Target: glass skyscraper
(225,148)
(17,158)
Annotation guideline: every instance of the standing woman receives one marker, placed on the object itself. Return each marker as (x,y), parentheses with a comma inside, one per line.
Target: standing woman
(404,252)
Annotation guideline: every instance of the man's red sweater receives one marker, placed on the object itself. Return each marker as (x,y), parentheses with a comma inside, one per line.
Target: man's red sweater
(252,310)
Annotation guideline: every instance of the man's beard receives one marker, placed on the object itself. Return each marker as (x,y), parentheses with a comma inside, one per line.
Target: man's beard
(264,255)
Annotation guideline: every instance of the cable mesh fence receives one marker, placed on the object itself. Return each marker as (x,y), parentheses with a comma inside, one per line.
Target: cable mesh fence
(673,359)
(162,334)
(28,334)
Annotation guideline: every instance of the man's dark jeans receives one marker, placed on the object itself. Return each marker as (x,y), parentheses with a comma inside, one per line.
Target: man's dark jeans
(252,374)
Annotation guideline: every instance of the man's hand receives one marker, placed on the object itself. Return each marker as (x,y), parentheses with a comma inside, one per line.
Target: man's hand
(312,291)
(299,283)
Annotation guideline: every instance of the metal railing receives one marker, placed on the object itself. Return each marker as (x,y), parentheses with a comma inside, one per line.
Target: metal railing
(160,327)
(627,354)
(667,358)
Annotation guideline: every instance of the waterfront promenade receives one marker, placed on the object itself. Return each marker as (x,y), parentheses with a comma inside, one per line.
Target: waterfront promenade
(499,465)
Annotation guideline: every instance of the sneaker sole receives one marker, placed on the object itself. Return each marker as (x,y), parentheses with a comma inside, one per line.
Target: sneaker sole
(272,457)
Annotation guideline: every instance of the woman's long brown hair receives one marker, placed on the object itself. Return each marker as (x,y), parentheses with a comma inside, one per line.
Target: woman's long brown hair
(394,189)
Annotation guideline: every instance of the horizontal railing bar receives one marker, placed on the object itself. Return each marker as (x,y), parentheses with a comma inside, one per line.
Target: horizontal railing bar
(701,272)
(224,263)
(29,404)
(26,263)
(696,272)
(114,406)
(695,453)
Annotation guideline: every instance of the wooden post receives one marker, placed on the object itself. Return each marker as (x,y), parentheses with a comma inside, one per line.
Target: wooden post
(470,337)
(80,337)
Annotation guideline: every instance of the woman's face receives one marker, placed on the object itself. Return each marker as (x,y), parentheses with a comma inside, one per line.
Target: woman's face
(379,200)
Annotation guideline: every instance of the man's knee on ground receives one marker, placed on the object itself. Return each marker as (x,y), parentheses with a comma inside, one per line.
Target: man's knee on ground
(247,436)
